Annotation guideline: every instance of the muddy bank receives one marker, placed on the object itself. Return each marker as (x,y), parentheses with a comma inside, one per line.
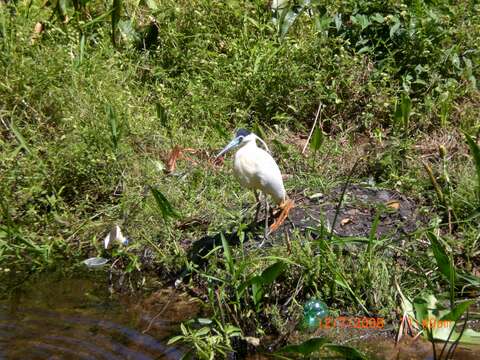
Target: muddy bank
(398,216)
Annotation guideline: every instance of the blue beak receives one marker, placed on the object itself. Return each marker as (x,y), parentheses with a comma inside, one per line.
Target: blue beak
(235,142)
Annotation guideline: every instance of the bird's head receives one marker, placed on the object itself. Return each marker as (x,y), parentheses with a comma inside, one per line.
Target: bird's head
(241,138)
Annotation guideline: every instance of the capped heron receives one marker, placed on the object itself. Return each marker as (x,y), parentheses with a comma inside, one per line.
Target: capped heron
(256,170)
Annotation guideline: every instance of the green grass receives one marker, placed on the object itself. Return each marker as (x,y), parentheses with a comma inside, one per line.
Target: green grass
(86,129)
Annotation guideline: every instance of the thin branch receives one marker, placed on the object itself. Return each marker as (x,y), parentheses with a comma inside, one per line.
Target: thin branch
(313,127)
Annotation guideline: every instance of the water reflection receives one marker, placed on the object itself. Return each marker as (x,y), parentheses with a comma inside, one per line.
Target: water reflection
(53,317)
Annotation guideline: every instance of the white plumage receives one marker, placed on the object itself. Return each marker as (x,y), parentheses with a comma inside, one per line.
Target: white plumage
(256,169)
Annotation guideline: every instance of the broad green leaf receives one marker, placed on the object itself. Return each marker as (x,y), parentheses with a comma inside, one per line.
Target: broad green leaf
(203,331)
(269,275)
(378,18)
(232,330)
(204,321)
(317,139)
(306,348)
(174,339)
(457,311)
(257,289)
(443,261)
(338,21)
(288,17)
(420,305)
(82,49)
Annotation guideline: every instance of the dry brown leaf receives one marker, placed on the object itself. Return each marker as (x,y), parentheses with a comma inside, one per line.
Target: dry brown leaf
(37,30)
(393,204)
(172,159)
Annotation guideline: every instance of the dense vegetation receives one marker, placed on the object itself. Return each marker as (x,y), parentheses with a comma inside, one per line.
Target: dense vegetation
(89,116)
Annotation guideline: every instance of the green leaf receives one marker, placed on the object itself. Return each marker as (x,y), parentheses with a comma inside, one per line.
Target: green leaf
(115,131)
(307,347)
(394,29)
(257,129)
(457,311)
(444,263)
(203,331)
(152,4)
(475,150)
(127,30)
(19,137)
(269,275)
(174,339)
(227,255)
(161,114)
(164,206)
(420,306)
(257,289)
(406,106)
(288,17)
(82,49)
(348,353)
(338,21)
(378,18)
(317,139)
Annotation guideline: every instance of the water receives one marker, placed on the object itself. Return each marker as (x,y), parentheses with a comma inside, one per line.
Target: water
(58,317)
(55,316)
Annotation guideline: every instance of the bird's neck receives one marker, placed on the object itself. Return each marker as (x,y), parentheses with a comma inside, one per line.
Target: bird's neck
(250,144)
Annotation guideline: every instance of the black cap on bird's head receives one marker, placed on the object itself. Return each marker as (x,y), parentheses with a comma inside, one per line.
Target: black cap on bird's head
(240,135)
(242,132)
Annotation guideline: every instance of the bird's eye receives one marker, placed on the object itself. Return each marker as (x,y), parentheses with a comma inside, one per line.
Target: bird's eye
(240,139)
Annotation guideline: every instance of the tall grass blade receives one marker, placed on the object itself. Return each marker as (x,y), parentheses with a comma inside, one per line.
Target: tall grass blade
(114,127)
(475,150)
(164,205)
(21,140)
(82,49)
(227,254)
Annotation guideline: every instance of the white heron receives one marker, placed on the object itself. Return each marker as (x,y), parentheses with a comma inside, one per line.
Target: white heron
(256,170)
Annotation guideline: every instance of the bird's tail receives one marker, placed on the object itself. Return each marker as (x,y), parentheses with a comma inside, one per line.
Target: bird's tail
(285,207)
